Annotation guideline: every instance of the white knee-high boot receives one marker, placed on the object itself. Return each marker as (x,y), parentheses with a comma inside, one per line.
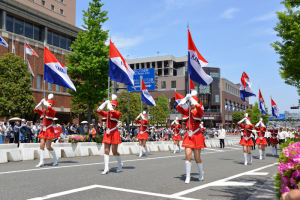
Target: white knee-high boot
(106,161)
(245,158)
(54,158)
(201,172)
(120,165)
(250,158)
(140,151)
(146,151)
(179,148)
(264,154)
(174,148)
(273,151)
(188,166)
(41,163)
(260,154)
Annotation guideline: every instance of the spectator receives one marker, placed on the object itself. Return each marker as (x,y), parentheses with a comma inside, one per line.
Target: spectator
(92,133)
(16,132)
(221,136)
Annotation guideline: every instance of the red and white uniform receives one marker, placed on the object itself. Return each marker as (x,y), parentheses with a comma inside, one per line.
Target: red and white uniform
(197,140)
(246,139)
(261,140)
(111,135)
(48,132)
(274,139)
(176,130)
(143,134)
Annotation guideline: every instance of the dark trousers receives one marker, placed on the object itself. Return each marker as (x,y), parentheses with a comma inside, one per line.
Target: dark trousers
(222,143)
(268,141)
(90,138)
(253,147)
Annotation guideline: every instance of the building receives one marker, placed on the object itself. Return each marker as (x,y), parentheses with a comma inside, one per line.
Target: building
(171,76)
(38,22)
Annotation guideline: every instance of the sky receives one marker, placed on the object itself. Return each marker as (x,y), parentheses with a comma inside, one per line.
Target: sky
(233,35)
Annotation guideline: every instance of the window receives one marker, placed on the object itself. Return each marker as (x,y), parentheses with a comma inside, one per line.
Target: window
(163,85)
(57,88)
(50,86)
(217,98)
(69,42)
(62,42)
(9,24)
(52,7)
(61,11)
(173,84)
(39,81)
(18,27)
(37,33)
(49,37)
(43,3)
(28,30)
(55,39)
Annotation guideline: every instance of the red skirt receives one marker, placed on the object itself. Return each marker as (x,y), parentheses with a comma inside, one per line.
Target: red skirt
(176,138)
(143,136)
(112,138)
(261,141)
(197,141)
(49,134)
(273,141)
(248,142)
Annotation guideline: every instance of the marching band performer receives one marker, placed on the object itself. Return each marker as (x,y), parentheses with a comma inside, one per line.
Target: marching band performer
(261,140)
(176,134)
(111,136)
(143,134)
(48,133)
(246,140)
(274,140)
(193,139)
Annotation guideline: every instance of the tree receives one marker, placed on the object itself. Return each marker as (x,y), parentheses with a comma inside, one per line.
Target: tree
(88,65)
(255,114)
(237,116)
(134,105)
(288,28)
(79,110)
(160,112)
(15,96)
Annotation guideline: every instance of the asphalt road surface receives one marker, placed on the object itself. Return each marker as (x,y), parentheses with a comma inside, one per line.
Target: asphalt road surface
(161,175)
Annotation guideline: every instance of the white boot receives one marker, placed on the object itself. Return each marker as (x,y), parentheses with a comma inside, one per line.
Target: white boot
(179,148)
(250,160)
(106,161)
(260,154)
(54,158)
(120,164)
(245,159)
(188,166)
(264,154)
(140,151)
(201,172)
(146,151)
(41,163)
(273,151)
(174,148)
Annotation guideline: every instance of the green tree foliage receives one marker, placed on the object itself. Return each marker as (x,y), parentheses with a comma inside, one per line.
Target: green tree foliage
(88,65)
(288,29)
(237,116)
(79,110)
(160,112)
(255,114)
(15,96)
(134,105)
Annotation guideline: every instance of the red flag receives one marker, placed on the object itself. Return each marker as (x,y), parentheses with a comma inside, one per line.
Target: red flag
(30,50)
(29,68)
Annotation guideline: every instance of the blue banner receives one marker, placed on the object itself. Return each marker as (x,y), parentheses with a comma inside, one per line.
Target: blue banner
(148,76)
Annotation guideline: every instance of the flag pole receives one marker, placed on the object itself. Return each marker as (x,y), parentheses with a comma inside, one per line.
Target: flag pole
(141,101)
(189,91)
(108,90)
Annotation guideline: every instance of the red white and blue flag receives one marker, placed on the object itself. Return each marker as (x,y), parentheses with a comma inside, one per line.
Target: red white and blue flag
(119,71)
(178,98)
(195,64)
(3,42)
(245,88)
(30,50)
(261,103)
(55,72)
(146,96)
(275,110)
(29,68)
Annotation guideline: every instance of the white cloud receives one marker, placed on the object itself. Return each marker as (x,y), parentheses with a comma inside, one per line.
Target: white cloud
(123,42)
(266,17)
(229,13)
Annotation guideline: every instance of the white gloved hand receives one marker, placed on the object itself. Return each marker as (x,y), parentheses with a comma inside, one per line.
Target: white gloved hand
(39,104)
(46,103)
(183,101)
(102,106)
(193,101)
(138,116)
(109,106)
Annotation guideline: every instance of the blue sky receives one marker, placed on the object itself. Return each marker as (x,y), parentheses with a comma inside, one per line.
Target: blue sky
(234,35)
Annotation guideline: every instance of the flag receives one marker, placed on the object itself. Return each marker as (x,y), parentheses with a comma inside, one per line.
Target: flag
(13,45)
(55,72)
(178,98)
(118,69)
(30,50)
(275,110)
(261,103)
(245,88)
(195,64)
(146,96)
(3,42)
(29,68)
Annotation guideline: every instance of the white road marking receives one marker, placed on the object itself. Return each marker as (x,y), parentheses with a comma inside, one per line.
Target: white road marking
(257,173)
(184,192)
(90,164)
(110,188)
(233,183)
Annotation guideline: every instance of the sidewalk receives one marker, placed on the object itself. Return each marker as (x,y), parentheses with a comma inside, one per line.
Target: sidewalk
(266,191)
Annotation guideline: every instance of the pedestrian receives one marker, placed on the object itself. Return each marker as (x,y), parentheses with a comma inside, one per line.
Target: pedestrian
(221,136)
(143,134)
(281,135)
(111,136)
(274,140)
(17,132)
(193,140)
(261,140)
(92,133)
(47,133)
(176,135)
(246,140)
